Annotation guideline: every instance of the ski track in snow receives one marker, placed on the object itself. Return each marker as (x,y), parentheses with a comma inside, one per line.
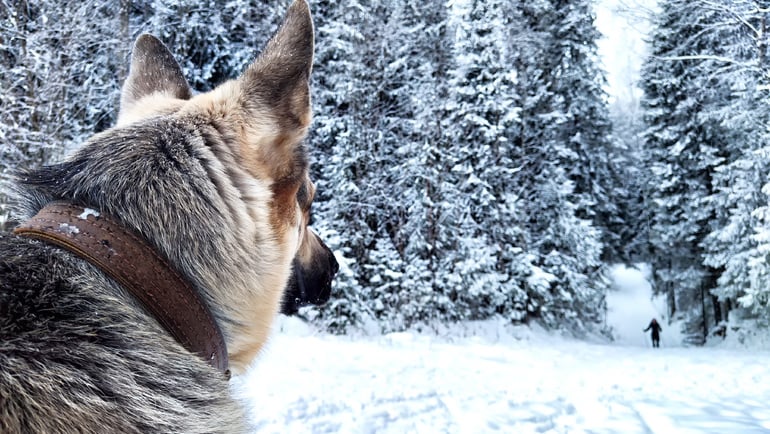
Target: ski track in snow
(533,383)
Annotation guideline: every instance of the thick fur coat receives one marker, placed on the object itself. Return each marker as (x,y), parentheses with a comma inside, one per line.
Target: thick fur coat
(217,183)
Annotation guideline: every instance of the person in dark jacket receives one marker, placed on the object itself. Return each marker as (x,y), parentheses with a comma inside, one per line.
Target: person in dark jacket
(656,329)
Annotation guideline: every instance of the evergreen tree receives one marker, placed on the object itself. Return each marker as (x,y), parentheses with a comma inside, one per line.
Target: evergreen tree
(685,146)
(585,124)
(462,151)
(738,244)
(214,40)
(481,233)
(628,228)
(59,83)
(564,244)
(339,142)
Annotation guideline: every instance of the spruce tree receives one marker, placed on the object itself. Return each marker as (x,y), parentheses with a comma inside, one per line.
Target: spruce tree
(685,147)
(59,83)
(738,242)
(567,280)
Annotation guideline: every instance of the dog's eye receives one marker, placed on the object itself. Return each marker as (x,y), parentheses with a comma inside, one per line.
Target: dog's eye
(304,196)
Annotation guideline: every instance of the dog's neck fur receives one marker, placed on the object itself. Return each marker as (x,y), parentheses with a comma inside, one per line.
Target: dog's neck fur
(212,193)
(126,258)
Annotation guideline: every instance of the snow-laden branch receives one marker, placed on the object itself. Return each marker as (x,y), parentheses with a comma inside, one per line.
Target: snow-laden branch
(707,57)
(721,7)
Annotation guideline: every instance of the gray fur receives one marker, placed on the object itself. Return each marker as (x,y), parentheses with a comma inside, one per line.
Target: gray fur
(79,354)
(161,72)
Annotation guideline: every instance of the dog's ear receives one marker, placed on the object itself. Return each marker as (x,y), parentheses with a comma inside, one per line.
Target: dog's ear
(279,79)
(153,71)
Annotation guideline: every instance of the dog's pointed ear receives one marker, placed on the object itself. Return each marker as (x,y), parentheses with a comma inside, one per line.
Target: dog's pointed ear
(279,78)
(153,71)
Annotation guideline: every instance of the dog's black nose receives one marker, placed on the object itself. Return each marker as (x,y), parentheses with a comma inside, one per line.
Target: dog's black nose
(334,266)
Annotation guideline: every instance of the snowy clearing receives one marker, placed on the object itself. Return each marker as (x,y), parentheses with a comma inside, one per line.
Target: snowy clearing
(487,377)
(407,383)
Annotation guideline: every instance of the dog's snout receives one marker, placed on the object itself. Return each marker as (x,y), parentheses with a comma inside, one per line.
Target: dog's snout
(311,281)
(334,266)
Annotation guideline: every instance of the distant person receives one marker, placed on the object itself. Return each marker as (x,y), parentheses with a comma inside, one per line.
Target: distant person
(656,329)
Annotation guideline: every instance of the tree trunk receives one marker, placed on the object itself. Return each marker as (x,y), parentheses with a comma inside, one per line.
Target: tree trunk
(703,311)
(717,309)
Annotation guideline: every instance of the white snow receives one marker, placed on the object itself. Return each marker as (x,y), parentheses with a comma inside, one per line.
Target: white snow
(489,377)
(68,229)
(87,212)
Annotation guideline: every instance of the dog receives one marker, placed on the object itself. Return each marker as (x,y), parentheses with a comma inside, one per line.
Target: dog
(151,262)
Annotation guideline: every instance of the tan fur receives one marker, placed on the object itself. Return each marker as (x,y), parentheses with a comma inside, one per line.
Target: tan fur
(251,300)
(254,149)
(152,105)
(265,149)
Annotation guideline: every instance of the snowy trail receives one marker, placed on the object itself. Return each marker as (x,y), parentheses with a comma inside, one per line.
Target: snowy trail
(491,378)
(530,383)
(630,307)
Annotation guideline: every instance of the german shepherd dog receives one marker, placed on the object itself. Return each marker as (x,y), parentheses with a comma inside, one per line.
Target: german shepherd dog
(208,192)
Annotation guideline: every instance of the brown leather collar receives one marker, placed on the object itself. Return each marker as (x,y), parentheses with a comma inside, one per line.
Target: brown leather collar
(129,260)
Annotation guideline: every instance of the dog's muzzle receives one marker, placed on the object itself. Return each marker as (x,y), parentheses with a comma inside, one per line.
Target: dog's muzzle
(310,284)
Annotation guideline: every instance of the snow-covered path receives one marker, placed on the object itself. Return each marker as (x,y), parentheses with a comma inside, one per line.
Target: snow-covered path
(490,378)
(511,381)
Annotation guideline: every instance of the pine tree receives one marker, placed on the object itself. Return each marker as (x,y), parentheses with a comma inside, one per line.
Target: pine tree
(58,84)
(461,147)
(566,275)
(738,244)
(685,146)
(585,126)
(480,117)
(214,40)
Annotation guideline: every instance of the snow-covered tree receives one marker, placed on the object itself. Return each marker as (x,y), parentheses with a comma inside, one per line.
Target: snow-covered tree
(738,243)
(561,240)
(461,147)
(478,121)
(59,83)
(691,135)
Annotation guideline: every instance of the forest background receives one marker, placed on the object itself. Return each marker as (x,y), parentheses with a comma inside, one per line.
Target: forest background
(468,160)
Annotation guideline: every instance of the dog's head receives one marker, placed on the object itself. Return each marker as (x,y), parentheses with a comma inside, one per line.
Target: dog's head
(253,168)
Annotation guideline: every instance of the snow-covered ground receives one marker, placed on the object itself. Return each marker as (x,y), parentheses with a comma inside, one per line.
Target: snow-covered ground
(630,307)
(488,377)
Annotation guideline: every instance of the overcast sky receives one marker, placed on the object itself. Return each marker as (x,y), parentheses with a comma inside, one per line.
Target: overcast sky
(624,24)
